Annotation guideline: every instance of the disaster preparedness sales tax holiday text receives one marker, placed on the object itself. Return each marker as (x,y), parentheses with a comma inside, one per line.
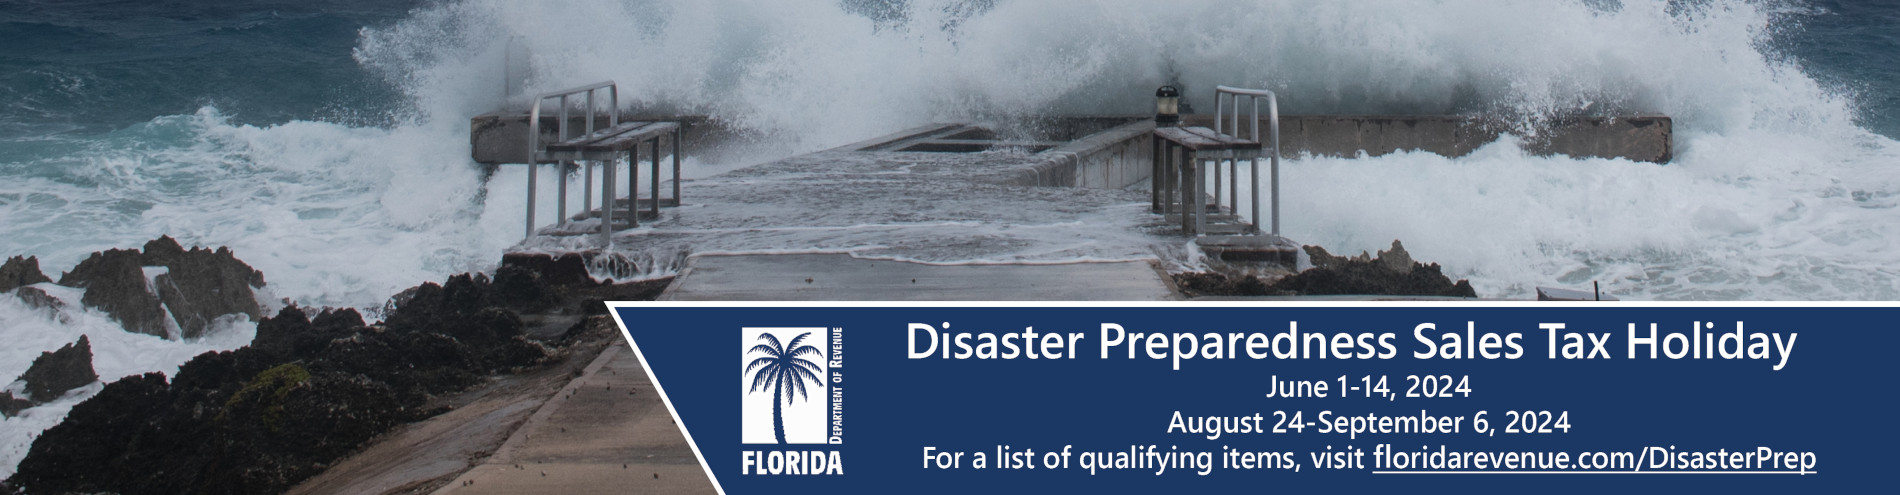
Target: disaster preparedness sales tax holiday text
(1687,340)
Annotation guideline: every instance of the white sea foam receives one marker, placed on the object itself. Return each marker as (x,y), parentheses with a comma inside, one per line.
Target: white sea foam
(332,215)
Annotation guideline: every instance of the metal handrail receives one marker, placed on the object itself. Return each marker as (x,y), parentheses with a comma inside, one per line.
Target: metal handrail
(1273,129)
(534,139)
(534,114)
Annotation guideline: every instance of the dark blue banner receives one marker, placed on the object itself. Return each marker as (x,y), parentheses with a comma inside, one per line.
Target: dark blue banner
(955,398)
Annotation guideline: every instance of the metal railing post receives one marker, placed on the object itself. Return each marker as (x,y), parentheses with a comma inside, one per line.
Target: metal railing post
(677,201)
(1253,170)
(1165,154)
(533,159)
(587,180)
(1273,123)
(1154,173)
(1273,131)
(560,206)
(1196,187)
(1217,181)
(607,208)
(532,168)
(1220,108)
(534,143)
(656,178)
(633,186)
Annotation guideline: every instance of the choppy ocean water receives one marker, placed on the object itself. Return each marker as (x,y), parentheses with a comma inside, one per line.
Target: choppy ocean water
(325,141)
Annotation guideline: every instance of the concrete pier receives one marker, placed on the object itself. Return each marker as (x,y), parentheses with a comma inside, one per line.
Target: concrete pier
(929,207)
(991,195)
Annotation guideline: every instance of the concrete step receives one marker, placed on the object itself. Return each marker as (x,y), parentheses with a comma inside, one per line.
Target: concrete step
(620,213)
(1263,248)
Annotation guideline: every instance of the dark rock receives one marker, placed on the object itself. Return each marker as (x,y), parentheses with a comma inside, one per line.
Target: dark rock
(544,284)
(1392,273)
(115,284)
(335,321)
(217,371)
(293,335)
(20,272)
(115,428)
(1216,284)
(201,285)
(1396,260)
(568,270)
(35,298)
(198,286)
(523,289)
(11,406)
(307,391)
(54,373)
(162,251)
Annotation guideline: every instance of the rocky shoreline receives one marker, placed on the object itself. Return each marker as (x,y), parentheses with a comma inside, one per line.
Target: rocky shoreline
(314,385)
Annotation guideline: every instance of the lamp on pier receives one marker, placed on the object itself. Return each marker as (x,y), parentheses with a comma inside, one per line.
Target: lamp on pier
(1167,106)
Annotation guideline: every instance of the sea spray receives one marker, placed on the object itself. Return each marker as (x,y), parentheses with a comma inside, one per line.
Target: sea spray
(1771,186)
(1775,191)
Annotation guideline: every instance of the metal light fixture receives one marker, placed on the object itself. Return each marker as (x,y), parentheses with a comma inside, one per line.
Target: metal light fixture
(1167,106)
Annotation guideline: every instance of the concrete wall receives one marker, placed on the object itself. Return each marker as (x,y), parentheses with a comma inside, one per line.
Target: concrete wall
(1121,156)
(1113,159)
(1645,138)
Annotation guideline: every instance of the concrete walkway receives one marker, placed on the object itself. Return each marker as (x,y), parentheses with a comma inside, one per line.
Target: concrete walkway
(607,431)
(839,277)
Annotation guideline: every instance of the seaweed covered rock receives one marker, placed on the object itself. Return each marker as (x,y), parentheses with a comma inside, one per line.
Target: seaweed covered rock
(20,272)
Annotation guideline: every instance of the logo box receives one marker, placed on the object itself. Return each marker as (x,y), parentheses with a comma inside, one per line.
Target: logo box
(784,385)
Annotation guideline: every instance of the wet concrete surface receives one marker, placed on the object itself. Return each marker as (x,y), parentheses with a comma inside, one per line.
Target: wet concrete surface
(838,277)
